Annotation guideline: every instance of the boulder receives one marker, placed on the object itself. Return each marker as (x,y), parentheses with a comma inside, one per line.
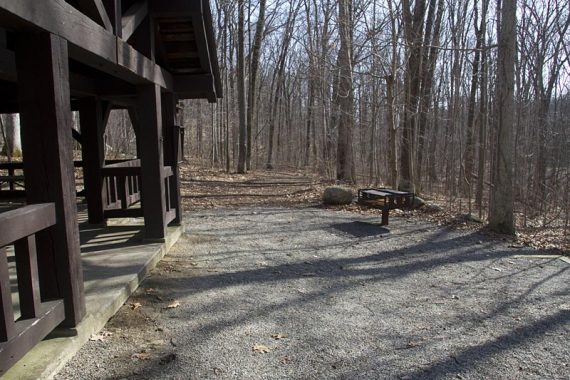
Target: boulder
(418,203)
(337,195)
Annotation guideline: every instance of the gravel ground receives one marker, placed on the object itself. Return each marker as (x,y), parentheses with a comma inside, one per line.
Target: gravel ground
(282,293)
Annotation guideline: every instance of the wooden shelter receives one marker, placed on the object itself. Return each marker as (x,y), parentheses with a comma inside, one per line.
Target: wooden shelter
(90,56)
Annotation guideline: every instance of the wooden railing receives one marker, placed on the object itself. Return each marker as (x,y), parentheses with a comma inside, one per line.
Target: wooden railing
(123,190)
(168,175)
(37,318)
(12,180)
(122,185)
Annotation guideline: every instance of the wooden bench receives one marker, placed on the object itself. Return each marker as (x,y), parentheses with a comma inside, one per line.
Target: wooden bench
(385,200)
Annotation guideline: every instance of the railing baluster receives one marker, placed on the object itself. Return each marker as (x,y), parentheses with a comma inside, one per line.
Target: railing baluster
(7,325)
(122,191)
(28,277)
(11,174)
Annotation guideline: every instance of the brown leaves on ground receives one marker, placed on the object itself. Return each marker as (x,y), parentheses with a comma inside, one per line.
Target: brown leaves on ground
(173,305)
(142,356)
(101,336)
(279,336)
(261,349)
(212,188)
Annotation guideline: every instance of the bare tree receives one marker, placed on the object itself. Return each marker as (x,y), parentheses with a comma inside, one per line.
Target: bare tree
(345,93)
(242,154)
(501,216)
(254,66)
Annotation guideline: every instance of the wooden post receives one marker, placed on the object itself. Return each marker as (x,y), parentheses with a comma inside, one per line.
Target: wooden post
(149,117)
(171,151)
(93,117)
(43,79)
(114,11)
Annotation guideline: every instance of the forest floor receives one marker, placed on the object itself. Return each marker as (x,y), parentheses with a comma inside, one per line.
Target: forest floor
(267,284)
(213,188)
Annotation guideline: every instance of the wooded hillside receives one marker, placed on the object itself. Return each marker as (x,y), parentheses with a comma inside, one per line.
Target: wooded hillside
(409,94)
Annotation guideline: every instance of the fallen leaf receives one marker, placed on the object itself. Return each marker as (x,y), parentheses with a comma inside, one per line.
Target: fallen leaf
(100,337)
(279,336)
(141,356)
(285,360)
(173,305)
(217,371)
(135,305)
(262,349)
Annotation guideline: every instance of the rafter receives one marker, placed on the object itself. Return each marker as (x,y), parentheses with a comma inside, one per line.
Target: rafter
(133,17)
(89,42)
(96,11)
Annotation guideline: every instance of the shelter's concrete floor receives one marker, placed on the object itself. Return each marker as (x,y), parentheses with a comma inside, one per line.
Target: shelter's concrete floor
(115,260)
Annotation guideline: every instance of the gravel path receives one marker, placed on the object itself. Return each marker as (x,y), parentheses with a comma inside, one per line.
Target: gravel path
(277,293)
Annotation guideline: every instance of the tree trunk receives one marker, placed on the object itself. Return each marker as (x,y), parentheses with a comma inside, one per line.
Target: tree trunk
(254,65)
(413,30)
(345,95)
(241,91)
(12,140)
(501,218)
(468,165)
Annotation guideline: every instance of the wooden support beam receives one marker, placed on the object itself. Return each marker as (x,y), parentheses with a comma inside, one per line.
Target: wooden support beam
(90,43)
(7,325)
(133,17)
(60,18)
(45,114)
(152,162)
(169,102)
(114,9)
(7,65)
(28,276)
(76,136)
(96,11)
(195,87)
(92,119)
(136,124)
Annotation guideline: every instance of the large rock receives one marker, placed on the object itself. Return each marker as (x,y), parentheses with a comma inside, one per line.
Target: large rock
(418,202)
(337,195)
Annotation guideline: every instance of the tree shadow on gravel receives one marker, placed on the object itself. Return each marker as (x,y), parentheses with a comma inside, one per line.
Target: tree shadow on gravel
(352,272)
(349,273)
(470,357)
(375,263)
(359,229)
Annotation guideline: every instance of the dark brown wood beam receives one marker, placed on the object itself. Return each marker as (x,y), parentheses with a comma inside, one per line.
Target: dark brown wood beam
(47,144)
(96,11)
(195,87)
(133,17)
(92,119)
(7,65)
(90,43)
(149,118)
(169,102)
(114,9)
(176,8)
